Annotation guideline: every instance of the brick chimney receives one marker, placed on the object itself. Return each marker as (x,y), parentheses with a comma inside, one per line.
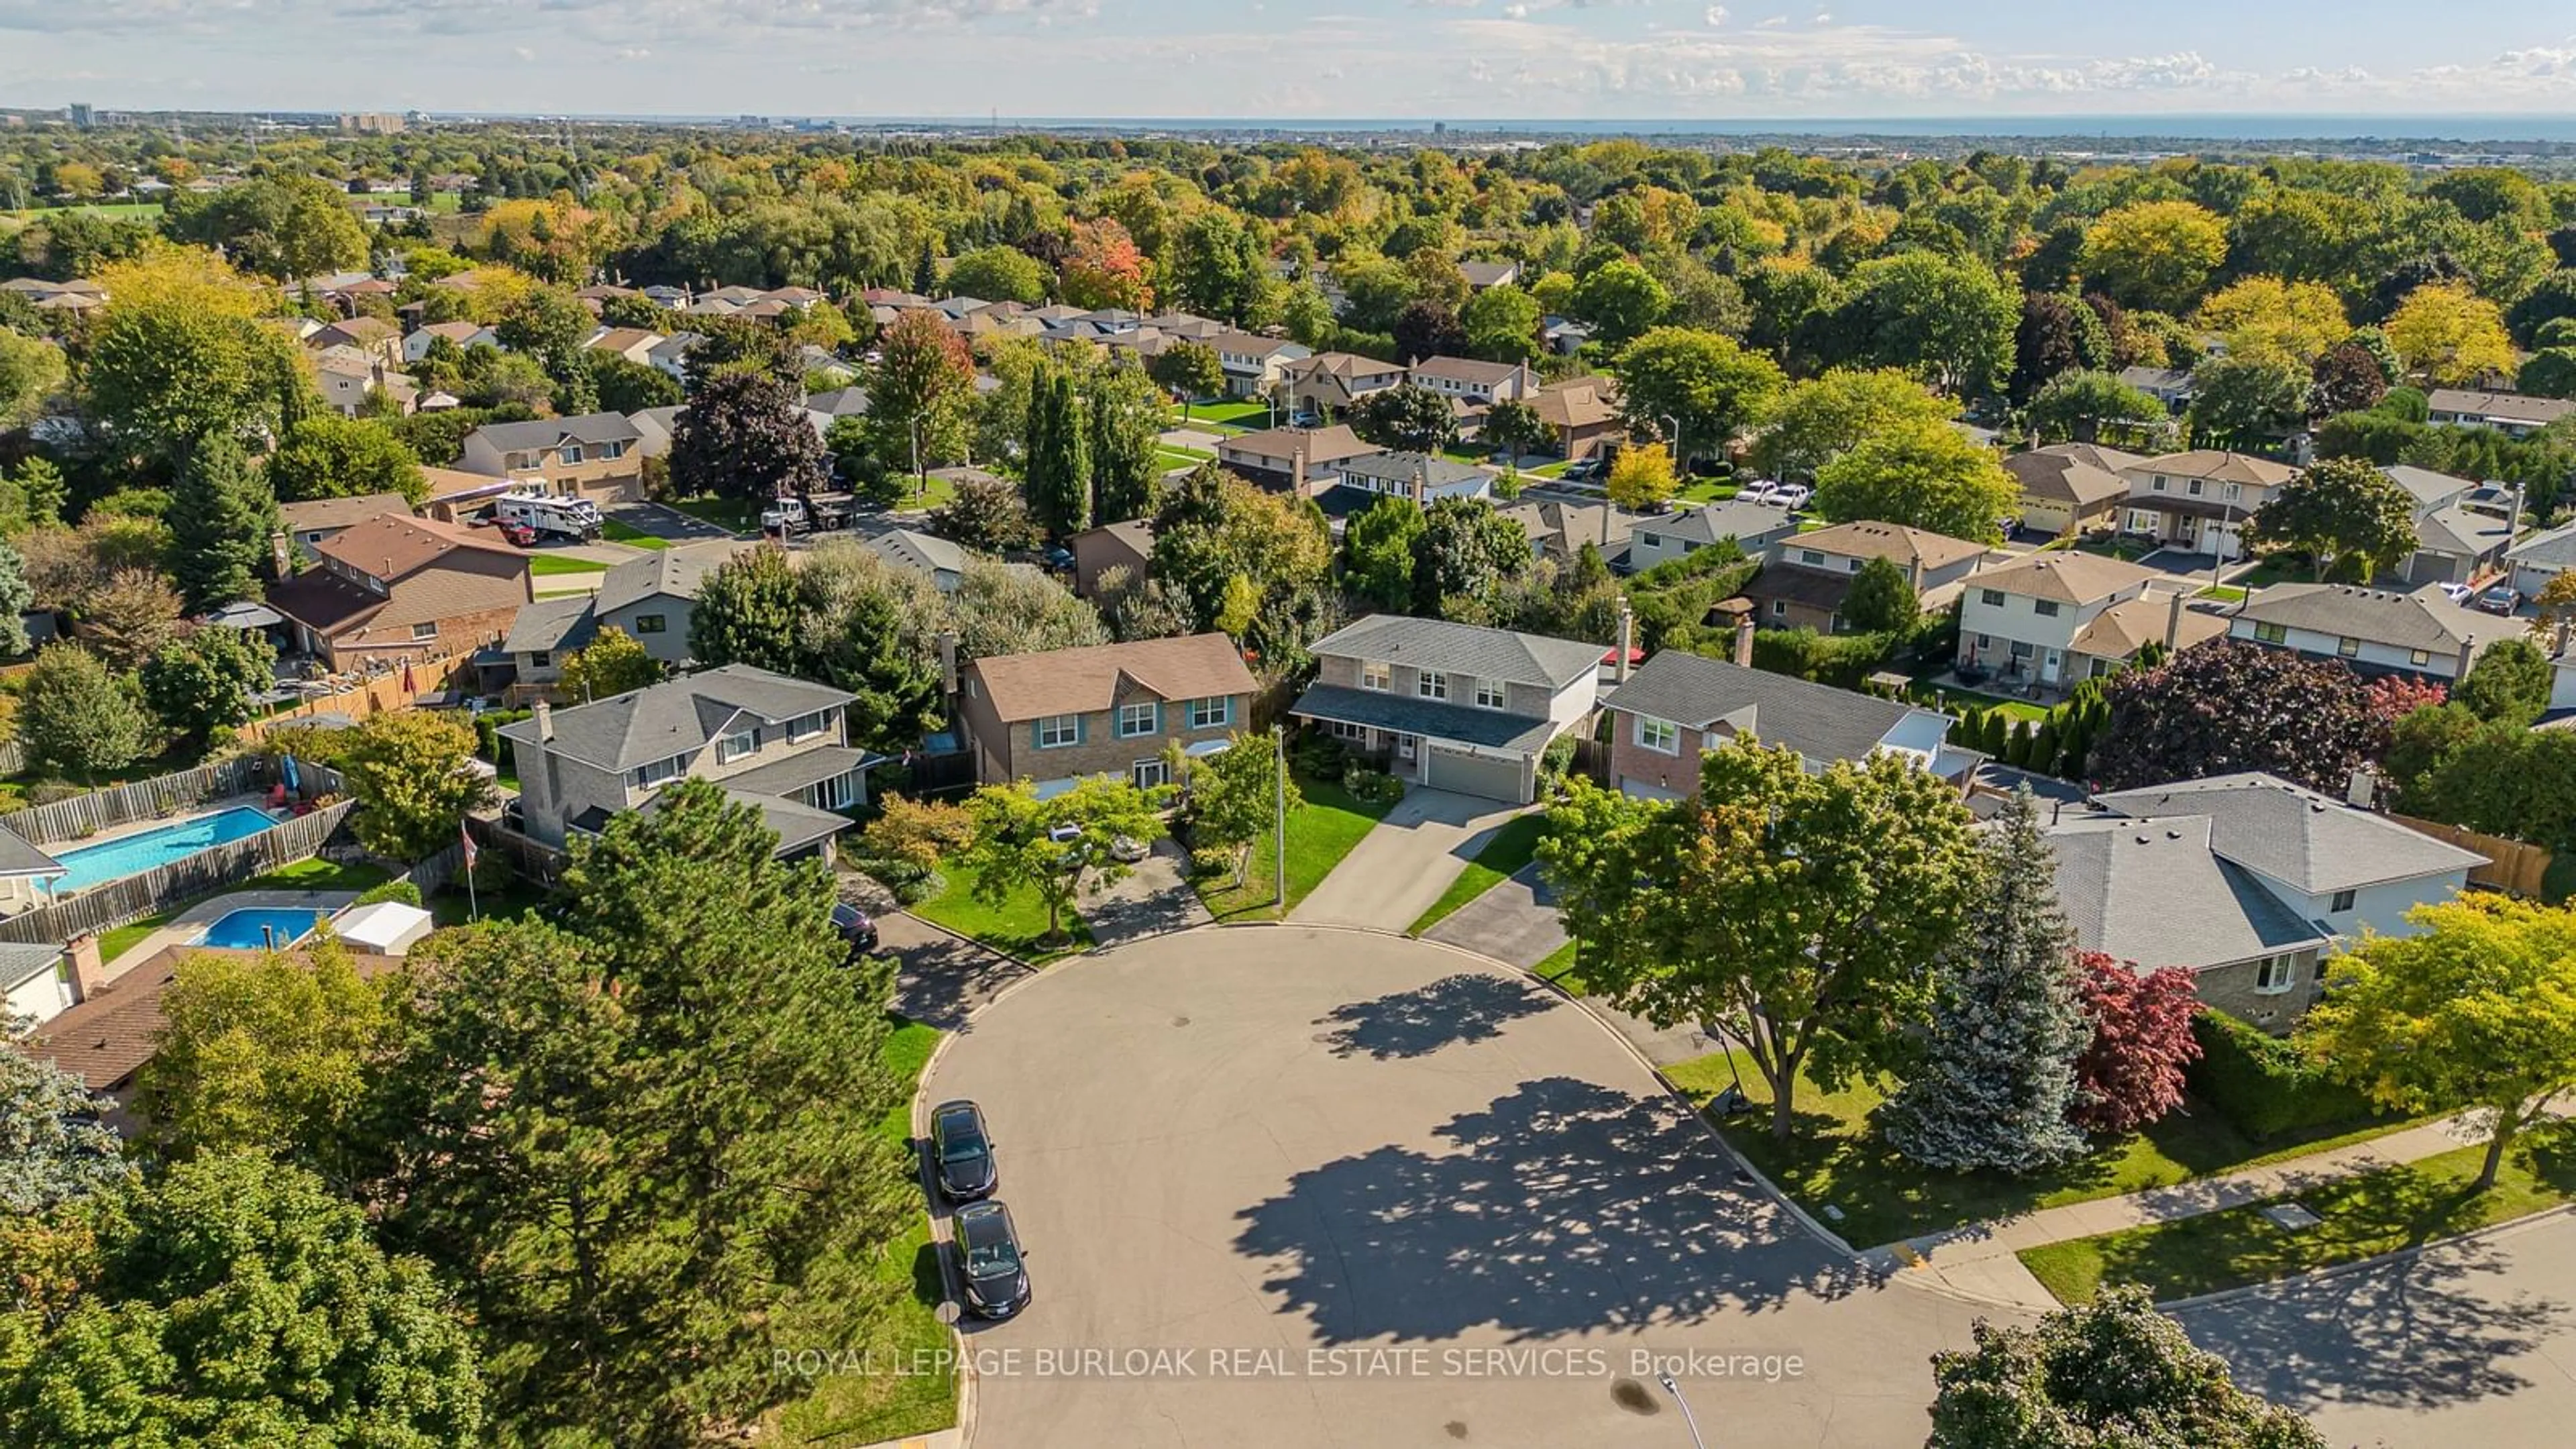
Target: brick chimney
(1627,638)
(1744,640)
(89,972)
(545,717)
(280,557)
(2173,624)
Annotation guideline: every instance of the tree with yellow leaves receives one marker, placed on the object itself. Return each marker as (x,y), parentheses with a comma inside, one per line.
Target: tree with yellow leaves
(2154,254)
(1642,478)
(2268,318)
(2447,334)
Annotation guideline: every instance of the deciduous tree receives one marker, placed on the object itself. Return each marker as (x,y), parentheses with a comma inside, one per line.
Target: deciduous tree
(2247,398)
(1641,478)
(746,435)
(202,684)
(746,613)
(78,717)
(1051,847)
(409,772)
(921,388)
(2138,1041)
(2225,707)
(2509,683)
(1126,419)
(1058,454)
(1923,475)
(998,274)
(2076,405)
(986,513)
(1701,381)
(1234,797)
(2154,254)
(329,456)
(2340,509)
(613,662)
(1189,369)
(1378,549)
(1406,417)
(1819,420)
(2448,335)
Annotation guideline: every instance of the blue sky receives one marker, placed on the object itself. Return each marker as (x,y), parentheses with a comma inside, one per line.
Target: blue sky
(1552,59)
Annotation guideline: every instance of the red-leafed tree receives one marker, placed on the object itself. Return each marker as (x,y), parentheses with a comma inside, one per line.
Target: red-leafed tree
(2225,707)
(1102,267)
(2132,1073)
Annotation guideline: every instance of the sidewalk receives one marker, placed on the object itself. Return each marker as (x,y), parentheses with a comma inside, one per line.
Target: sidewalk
(1979,1259)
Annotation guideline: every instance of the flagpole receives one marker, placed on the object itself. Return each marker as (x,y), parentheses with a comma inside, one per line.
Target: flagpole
(465,837)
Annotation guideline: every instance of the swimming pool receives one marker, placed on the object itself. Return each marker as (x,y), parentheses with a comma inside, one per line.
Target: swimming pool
(253,927)
(134,854)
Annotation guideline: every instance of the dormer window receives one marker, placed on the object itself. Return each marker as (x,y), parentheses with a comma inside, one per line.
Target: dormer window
(734,747)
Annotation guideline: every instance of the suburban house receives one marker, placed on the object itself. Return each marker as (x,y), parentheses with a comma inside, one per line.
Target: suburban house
(2053,620)
(670,356)
(541,634)
(1329,383)
(1300,460)
(1677,705)
(942,561)
(348,382)
(774,743)
(1128,545)
(2168,385)
(1110,709)
(1805,576)
(2541,557)
(415,344)
(2507,412)
(1465,380)
(650,598)
(1752,527)
(307,523)
(2198,501)
(2247,881)
(2376,631)
(635,344)
(2071,488)
(1255,365)
(397,588)
(2460,536)
(1451,706)
(1582,413)
(1420,477)
(593,456)
(380,340)
(1481,275)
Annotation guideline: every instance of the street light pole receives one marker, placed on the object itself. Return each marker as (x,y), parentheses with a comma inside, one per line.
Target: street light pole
(1675,1390)
(1279,827)
(920,479)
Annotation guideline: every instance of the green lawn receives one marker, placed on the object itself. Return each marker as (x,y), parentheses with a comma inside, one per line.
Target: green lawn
(117,940)
(1549,470)
(627,533)
(1320,832)
(1559,968)
(446,203)
(2228,593)
(450,906)
(727,513)
(927,492)
(2276,571)
(1511,848)
(554,563)
(2360,1217)
(1017,926)
(1707,490)
(1224,415)
(1834,1158)
(2114,546)
(112,210)
(1953,697)
(856,1408)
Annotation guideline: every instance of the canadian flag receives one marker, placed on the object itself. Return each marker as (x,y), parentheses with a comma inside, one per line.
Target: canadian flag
(468,837)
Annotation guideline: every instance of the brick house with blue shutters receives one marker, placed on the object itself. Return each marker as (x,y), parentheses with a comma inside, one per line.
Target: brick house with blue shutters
(1057,718)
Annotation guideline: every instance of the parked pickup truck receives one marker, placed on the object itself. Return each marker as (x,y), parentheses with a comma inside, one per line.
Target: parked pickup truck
(791,516)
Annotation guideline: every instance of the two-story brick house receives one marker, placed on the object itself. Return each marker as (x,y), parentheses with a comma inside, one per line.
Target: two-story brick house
(395,588)
(1805,576)
(2198,501)
(773,742)
(2053,620)
(1330,384)
(1679,705)
(1451,706)
(594,456)
(1110,709)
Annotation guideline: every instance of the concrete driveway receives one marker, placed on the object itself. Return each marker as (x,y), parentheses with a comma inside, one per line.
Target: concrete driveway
(1398,869)
(941,978)
(1301,1187)
(2471,1341)
(1154,898)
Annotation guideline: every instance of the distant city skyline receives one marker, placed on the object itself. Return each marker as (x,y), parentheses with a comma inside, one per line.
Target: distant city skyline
(1596,60)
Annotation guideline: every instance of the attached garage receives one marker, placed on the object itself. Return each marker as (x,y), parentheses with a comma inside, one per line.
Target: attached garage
(1489,776)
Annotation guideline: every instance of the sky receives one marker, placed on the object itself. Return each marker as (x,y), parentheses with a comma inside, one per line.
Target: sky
(1292,59)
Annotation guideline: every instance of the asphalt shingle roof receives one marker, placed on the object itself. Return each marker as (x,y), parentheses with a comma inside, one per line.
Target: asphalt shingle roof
(2153,892)
(1467,649)
(2419,620)
(19,856)
(2315,844)
(1085,681)
(665,571)
(547,432)
(550,624)
(674,717)
(1407,714)
(1817,720)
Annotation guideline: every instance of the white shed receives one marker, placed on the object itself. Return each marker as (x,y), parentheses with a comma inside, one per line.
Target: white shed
(385,928)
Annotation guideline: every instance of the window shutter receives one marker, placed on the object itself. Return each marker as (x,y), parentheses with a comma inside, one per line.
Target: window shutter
(1229,711)
(1081,729)
(1158,718)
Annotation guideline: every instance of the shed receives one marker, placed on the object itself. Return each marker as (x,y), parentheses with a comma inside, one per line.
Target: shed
(384,928)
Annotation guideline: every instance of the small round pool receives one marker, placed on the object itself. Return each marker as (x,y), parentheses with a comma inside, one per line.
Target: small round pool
(252,928)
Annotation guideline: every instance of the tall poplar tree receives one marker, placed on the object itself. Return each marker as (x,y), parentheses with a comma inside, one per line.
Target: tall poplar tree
(1059,457)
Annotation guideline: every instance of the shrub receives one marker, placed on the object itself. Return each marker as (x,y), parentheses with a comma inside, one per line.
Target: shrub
(2261,1084)
(1841,660)
(1557,758)
(487,730)
(911,881)
(392,890)
(1319,756)
(1214,860)
(1372,786)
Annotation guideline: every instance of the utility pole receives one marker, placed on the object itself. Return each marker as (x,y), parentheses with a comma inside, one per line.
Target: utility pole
(1279,827)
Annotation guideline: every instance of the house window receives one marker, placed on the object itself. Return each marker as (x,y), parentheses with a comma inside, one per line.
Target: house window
(1431,684)
(2160,482)
(2272,633)
(541,659)
(2229,492)
(425,631)
(1376,676)
(1136,719)
(661,770)
(1991,598)
(2348,646)
(1342,731)
(649,624)
(2273,975)
(1811,556)
(1059,730)
(1208,713)
(612,450)
(2194,489)
(1779,608)
(837,793)
(2046,608)
(1148,773)
(1982,642)
(1489,694)
(570,454)
(2342,902)
(2021,649)
(734,747)
(1660,735)
(1651,540)
(806,726)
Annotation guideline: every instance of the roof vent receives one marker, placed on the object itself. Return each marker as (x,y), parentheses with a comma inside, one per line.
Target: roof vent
(2173,835)
(2142,840)
(2316,807)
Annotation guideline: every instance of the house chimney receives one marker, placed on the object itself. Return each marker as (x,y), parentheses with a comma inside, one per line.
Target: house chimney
(1297,470)
(2358,791)
(1627,638)
(280,557)
(545,717)
(1914,572)
(2468,653)
(948,664)
(1744,640)
(2173,623)
(89,971)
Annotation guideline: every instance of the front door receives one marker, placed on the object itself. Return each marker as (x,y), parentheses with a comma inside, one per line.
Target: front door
(2048,668)
(1150,773)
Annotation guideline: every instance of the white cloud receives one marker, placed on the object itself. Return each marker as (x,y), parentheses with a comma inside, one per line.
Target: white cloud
(1714,17)
(1774,23)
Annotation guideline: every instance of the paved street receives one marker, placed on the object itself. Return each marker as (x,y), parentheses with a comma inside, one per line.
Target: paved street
(2471,1342)
(661,522)
(1394,874)
(1422,1201)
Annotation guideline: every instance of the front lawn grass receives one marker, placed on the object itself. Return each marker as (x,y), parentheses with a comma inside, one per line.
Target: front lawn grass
(1559,968)
(2361,1217)
(1017,926)
(1834,1157)
(926,492)
(1245,415)
(629,534)
(2227,593)
(1512,847)
(1321,831)
(1707,490)
(736,514)
(554,563)
(1953,697)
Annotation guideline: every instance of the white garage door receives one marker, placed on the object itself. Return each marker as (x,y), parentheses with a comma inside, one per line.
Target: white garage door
(1475,775)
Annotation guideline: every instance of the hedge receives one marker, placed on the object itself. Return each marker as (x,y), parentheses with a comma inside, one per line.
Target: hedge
(2261,1084)
(487,730)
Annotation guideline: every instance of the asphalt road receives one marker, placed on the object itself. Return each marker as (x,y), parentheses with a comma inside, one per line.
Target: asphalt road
(1296,1186)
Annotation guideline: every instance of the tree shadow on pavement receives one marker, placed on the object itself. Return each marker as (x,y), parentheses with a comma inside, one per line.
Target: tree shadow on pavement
(1471,1006)
(1564,1206)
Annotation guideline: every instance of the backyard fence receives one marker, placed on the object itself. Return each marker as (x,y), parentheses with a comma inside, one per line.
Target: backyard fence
(433,874)
(13,757)
(85,815)
(369,696)
(2512,865)
(116,902)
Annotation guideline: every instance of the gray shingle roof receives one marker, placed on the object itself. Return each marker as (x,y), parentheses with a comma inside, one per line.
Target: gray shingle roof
(800,771)
(1435,472)
(1464,649)
(2425,486)
(2462,532)
(1817,720)
(666,571)
(2420,620)
(907,548)
(1723,520)
(1430,718)
(19,857)
(674,717)
(2315,844)
(2154,893)
(2554,548)
(551,624)
(21,963)
(547,432)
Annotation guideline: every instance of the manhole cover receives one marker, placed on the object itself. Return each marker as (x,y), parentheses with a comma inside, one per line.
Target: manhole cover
(1180,1021)
(1634,1397)
(2291,1215)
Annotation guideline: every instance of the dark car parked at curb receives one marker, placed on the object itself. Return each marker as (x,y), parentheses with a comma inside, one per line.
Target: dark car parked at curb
(961,1152)
(991,1261)
(855,927)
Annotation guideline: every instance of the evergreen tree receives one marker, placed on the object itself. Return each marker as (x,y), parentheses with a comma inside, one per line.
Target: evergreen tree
(1059,457)
(220,517)
(1999,1072)
(1126,419)
(746,613)
(897,687)
(17,596)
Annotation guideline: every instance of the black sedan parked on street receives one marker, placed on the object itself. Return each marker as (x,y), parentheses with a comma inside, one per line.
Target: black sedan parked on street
(961,1152)
(991,1261)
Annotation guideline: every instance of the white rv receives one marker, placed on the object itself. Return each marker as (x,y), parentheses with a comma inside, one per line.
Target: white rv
(563,517)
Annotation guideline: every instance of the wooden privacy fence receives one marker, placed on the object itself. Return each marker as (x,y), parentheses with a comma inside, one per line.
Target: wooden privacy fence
(85,815)
(2512,865)
(369,696)
(13,757)
(116,902)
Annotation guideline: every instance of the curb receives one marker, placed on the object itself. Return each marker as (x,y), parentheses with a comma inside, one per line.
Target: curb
(2358,1265)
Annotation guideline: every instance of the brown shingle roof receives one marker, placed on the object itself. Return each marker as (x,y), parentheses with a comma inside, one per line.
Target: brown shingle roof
(389,546)
(1890,541)
(1582,403)
(324,602)
(2129,625)
(2219,466)
(1086,681)
(2067,577)
(2078,473)
(1320,445)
